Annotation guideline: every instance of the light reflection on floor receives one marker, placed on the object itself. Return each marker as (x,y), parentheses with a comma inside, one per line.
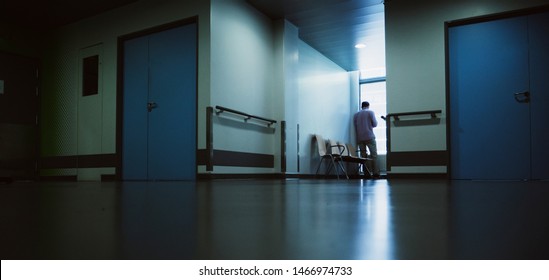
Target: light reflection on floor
(276,219)
(375,239)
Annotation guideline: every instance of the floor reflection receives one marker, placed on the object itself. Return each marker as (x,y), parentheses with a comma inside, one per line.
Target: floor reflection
(420,221)
(295,220)
(158,220)
(276,219)
(375,239)
(500,220)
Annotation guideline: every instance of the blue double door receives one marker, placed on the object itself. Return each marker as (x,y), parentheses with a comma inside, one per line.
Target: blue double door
(159,105)
(499,99)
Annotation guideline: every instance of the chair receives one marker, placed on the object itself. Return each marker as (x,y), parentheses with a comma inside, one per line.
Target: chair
(333,155)
(353,157)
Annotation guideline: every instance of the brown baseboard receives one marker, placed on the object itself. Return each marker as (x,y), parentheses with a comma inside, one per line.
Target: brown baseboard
(109,178)
(438,176)
(66,178)
(263,176)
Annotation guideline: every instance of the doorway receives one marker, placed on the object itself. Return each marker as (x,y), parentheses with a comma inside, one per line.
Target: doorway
(374,91)
(159,104)
(499,100)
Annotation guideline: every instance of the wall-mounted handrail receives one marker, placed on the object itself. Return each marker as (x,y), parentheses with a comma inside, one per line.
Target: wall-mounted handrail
(210,156)
(221,109)
(396,117)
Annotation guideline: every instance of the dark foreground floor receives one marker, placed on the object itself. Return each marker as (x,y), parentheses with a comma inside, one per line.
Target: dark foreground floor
(261,219)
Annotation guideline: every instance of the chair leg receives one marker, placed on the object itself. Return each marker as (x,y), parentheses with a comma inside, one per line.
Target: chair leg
(358,165)
(328,167)
(319,164)
(335,168)
(369,172)
(342,169)
(366,170)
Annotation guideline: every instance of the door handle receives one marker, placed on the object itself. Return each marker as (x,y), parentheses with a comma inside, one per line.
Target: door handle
(151,106)
(522,97)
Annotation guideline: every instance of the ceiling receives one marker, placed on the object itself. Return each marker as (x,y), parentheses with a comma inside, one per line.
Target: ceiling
(333,27)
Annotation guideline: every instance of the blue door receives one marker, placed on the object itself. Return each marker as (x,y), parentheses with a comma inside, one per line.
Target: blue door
(539,86)
(493,101)
(159,123)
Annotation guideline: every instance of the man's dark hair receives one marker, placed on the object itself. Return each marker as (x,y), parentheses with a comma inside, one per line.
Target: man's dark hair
(365,104)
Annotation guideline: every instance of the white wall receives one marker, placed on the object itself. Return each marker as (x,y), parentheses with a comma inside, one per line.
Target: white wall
(242,73)
(261,67)
(286,93)
(72,125)
(291,95)
(416,64)
(310,91)
(324,104)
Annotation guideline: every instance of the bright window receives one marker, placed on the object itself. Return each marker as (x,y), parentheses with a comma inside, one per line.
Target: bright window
(373,91)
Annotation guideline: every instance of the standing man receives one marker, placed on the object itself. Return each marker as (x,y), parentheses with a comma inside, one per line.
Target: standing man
(365,121)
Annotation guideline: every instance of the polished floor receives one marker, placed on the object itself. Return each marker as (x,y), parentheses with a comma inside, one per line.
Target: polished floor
(275,219)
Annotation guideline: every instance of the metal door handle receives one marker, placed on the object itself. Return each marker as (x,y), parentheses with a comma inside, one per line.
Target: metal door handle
(522,97)
(151,106)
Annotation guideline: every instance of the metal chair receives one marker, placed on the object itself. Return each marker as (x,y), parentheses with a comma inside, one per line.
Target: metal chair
(353,157)
(332,153)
